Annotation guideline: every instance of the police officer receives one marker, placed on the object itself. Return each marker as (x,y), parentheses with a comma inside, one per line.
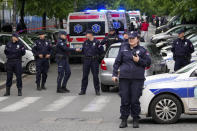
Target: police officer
(42,52)
(111,39)
(62,58)
(182,49)
(14,51)
(125,37)
(132,60)
(91,50)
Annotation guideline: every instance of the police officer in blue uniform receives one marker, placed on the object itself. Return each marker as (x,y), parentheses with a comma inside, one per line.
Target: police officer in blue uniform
(91,50)
(14,51)
(125,37)
(110,39)
(62,58)
(132,60)
(182,49)
(42,52)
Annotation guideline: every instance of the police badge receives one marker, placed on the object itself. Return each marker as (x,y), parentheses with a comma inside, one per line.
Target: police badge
(137,52)
(17,47)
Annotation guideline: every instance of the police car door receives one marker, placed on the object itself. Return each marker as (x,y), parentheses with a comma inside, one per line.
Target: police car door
(3,41)
(192,92)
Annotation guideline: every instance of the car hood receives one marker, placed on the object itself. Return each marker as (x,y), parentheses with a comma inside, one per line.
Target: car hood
(156,79)
(161,27)
(161,36)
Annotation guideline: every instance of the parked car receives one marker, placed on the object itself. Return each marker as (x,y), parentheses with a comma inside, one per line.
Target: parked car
(28,61)
(166,96)
(158,64)
(172,33)
(174,21)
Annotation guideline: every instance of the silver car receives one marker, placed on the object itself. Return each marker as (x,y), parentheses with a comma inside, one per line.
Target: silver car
(28,61)
(158,64)
(172,33)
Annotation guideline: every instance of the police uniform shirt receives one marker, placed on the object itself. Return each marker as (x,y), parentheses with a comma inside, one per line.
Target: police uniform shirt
(62,48)
(42,47)
(14,50)
(92,48)
(182,48)
(129,68)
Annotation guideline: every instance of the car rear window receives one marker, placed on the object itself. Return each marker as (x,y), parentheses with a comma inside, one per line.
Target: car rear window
(79,28)
(113,52)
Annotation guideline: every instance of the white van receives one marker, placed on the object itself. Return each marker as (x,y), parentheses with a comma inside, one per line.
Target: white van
(79,22)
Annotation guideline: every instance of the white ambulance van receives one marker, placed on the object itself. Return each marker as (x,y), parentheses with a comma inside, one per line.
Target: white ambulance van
(119,20)
(79,22)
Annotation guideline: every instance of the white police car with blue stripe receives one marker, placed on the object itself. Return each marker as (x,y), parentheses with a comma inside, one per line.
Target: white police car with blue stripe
(166,96)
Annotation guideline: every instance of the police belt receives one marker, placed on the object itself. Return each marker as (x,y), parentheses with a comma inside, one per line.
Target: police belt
(91,57)
(59,56)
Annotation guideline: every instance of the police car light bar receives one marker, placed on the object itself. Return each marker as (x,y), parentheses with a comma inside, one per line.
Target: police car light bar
(121,10)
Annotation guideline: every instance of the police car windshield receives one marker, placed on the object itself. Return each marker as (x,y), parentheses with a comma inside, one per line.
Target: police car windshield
(186,68)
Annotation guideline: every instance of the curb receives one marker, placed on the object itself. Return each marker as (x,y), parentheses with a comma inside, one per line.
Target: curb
(3,84)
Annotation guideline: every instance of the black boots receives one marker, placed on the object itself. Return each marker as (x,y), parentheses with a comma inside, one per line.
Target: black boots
(123,124)
(82,93)
(135,123)
(60,90)
(43,87)
(65,89)
(7,93)
(98,93)
(38,87)
(19,92)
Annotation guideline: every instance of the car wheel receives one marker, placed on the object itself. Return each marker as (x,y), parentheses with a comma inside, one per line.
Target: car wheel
(31,67)
(166,109)
(104,88)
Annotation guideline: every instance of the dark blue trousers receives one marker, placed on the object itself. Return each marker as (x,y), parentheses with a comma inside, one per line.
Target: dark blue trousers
(14,66)
(63,73)
(180,62)
(42,67)
(130,92)
(93,65)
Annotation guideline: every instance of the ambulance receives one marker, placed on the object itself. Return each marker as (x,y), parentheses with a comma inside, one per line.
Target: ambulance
(137,15)
(79,22)
(119,20)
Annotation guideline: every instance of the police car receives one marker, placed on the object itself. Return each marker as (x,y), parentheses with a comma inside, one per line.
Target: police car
(167,96)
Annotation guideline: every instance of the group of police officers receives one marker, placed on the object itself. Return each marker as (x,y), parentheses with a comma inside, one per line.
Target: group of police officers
(132,60)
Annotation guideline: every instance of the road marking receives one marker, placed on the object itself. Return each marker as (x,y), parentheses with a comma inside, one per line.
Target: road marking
(20,104)
(60,103)
(3,98)
(97,104)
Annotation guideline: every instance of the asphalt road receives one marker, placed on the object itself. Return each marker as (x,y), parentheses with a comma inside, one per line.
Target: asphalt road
(49,111)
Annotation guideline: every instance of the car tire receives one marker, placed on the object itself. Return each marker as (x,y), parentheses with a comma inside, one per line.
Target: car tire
(31,67)
(166,109)
(105,88)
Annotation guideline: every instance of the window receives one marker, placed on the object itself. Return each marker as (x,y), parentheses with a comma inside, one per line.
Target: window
(113,52)
(4,39)
(186,68)
(80,28)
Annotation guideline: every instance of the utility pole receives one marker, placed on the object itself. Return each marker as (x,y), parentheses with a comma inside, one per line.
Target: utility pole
(14,15)
(75,5)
